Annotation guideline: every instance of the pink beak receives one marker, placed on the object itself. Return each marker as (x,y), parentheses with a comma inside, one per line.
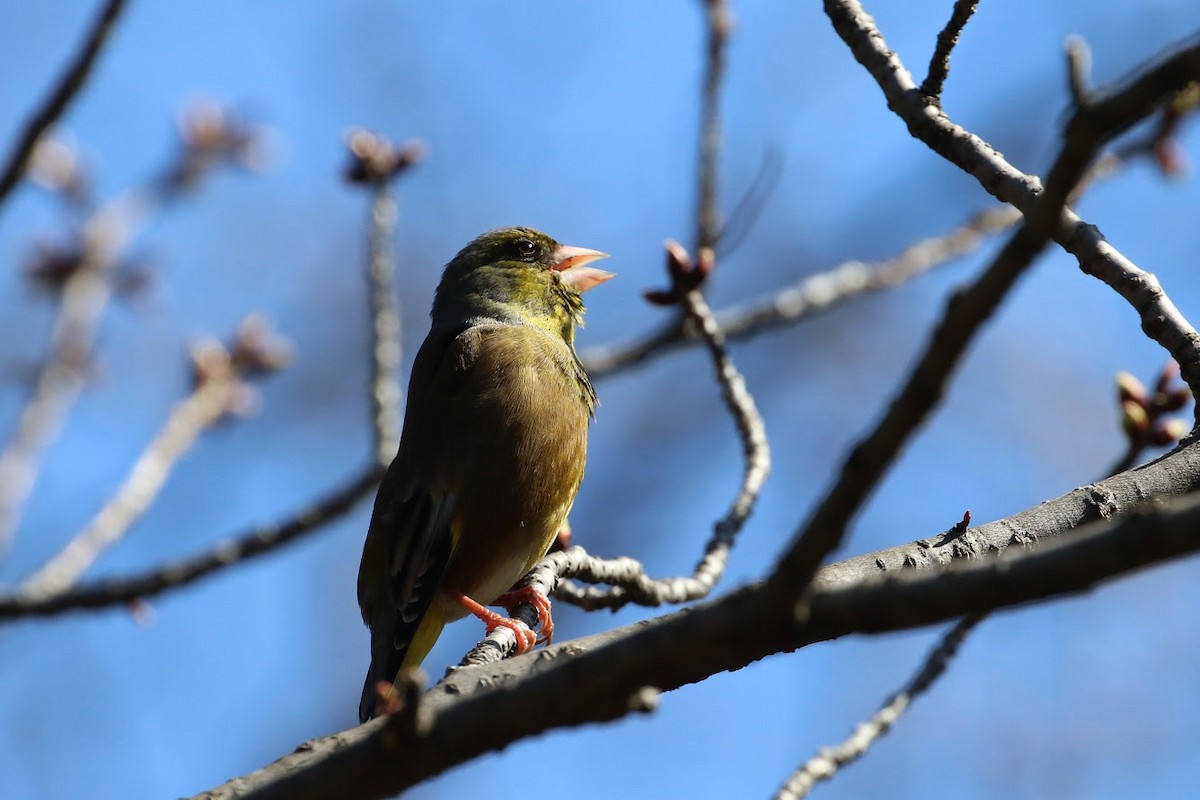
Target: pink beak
(572,264)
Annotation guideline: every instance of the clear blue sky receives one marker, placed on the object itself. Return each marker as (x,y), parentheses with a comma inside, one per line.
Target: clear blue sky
(580,119)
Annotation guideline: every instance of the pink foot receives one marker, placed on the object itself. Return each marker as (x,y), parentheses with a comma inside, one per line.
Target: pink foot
(526,638)
(536,599)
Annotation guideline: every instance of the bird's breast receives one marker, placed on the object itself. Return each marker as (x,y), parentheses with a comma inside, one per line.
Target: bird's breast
(521,426)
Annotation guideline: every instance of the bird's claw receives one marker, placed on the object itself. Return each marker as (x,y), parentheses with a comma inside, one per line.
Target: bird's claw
(526,638)
(540,603)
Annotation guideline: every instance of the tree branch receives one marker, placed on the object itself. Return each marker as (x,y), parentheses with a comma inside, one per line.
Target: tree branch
(56,102)
(375,162)
(708,215)
(1161,321)
(220,376)
(811,296)
(825,764)
(385,323)
(939,64)
(966,312)
(254,542)
(209,137)
(479,709)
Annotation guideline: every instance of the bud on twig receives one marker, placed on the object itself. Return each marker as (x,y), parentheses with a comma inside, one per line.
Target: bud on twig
(257,350)
(1169,432)
(211,135)
(1134,419)
(684,274)
(375,159)
(254,352)
(1130,388)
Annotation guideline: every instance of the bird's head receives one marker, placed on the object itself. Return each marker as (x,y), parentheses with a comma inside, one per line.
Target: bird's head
(518,275)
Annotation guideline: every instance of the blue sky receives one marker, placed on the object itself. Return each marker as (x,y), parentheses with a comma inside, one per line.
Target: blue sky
(580,119)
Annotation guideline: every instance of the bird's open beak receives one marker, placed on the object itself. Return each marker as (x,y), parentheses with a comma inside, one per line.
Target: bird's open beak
(571,263)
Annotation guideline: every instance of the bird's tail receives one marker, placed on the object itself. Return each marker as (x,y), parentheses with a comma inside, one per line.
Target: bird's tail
(387,660)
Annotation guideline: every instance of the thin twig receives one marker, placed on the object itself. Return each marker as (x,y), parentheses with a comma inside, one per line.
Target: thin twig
(823,291)
(1079,67)
(188,419)
(626,578)
(385,324)
(939,64)
(85,295)
(254,542)
(55,103)
(813,295)
(749,206)
(375,162)
(708,215)
(220,376)
(825,764)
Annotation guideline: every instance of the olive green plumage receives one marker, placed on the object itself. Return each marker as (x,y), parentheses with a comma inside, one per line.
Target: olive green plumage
(493,447)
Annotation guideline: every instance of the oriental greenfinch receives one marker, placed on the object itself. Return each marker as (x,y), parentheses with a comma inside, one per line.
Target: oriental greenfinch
(492,451)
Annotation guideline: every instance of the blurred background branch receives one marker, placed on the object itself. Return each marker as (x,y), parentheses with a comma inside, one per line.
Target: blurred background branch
(220,388)
(60,96)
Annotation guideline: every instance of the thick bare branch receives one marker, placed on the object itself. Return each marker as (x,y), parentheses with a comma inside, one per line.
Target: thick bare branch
(479,709)
(1172,475)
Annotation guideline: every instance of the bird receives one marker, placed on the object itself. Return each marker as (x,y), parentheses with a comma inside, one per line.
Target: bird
(491,453)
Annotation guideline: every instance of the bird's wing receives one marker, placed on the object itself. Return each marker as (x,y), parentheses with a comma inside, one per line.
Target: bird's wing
(410,539)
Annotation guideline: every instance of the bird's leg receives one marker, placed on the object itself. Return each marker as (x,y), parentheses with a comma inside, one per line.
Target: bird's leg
(540,603)
(526,638)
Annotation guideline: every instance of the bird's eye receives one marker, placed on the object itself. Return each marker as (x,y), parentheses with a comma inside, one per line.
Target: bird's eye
(526,250)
